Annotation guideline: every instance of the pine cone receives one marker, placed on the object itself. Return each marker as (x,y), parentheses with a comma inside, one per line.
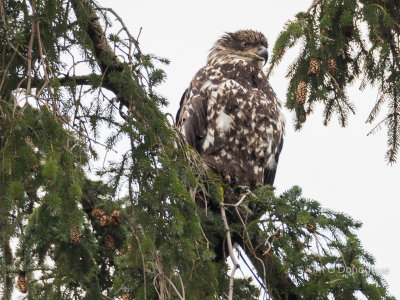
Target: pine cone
(116,218)
(126,297)
(75,235)
(301,93)
(310,227)
(332,65)
(105,220)
(110,242)
(22,284)
(314,67)
(98,213)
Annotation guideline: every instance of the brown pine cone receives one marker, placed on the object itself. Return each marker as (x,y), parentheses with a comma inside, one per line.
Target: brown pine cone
(314,67)
(75,235)
(301,93)
(332,65)
(98,213)
(105,220)
(116,218)
(126,297)
(22,284)
(310,227)
(110,242)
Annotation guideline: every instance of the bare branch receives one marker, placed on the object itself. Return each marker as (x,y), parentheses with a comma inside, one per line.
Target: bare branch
(230,248)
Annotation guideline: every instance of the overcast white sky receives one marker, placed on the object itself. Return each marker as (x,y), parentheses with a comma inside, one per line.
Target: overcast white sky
(341,168)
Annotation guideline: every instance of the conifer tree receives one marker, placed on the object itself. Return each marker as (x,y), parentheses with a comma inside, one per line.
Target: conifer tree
(150,222)
(345,40)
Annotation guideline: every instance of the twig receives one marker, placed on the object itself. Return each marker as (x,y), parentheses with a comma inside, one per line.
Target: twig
(385,12)
(5,24)
(335,82)
(43,62)
(319,254)
(162,291)
(230,248)
(143,263)
(182,285)
(6,70)
(250,245)
(241,199)
(176,290)
(108,298)
(325,37)
(28,89)
(272,242)
(131,38)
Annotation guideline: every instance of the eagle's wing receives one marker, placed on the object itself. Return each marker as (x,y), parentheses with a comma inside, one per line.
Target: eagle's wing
(270,170)
(191,117)
(269,173)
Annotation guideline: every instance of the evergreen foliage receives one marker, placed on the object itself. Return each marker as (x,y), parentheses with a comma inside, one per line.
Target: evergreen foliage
(151,226)
(350,39)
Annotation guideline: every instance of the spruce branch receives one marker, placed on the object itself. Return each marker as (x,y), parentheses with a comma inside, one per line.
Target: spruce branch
(333,31)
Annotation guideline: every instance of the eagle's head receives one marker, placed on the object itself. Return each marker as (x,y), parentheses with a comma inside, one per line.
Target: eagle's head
(249,45)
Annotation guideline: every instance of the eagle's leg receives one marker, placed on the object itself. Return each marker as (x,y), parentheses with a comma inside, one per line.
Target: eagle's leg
(231,181)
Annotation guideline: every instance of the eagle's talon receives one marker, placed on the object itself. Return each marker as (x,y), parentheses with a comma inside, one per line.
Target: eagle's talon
(231,181)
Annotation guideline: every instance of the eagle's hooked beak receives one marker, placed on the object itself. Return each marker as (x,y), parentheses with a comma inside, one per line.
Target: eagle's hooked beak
(263,52)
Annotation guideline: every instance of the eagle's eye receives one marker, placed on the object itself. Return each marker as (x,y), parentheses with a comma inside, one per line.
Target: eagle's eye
(245,44)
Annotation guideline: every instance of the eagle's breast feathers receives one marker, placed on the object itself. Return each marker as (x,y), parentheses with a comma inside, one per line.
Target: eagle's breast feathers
(231,115)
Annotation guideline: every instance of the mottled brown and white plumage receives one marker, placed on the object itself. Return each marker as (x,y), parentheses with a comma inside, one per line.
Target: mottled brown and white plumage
(230,113)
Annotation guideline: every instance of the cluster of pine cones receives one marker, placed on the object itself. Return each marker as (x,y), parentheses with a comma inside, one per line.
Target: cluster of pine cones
(104,220)
(113,219)
(313,70)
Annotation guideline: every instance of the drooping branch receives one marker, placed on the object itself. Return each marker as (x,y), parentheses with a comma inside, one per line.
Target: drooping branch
(330,34)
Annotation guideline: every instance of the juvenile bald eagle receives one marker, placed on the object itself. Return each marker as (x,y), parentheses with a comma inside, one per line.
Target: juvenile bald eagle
(230,113)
